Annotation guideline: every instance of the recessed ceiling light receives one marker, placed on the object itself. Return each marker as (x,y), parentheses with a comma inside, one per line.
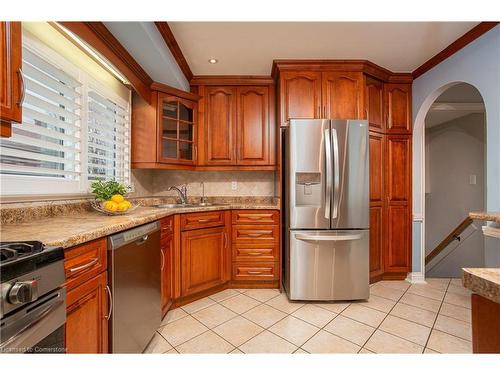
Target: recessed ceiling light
(213,61)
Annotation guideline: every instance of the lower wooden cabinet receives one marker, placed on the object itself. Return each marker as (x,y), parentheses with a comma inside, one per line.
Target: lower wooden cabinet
(204,259)
(167,250)
(86,317)
(376,242)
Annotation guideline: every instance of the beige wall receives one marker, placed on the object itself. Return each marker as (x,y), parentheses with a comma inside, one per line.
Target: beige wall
(147,182)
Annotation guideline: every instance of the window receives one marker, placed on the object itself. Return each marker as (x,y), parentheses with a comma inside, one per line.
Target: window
(74,129)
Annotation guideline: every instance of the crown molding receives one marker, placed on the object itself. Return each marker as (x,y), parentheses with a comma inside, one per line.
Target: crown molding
(174,91)
(454,47)
(240,80)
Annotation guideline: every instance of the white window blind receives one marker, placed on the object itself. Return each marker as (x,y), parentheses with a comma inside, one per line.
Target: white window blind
(74,130)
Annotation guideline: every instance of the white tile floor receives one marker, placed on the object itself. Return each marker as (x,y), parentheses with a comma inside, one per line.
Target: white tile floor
(398,318)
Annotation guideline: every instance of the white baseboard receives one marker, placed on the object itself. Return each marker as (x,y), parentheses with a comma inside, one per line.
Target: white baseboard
(416,278)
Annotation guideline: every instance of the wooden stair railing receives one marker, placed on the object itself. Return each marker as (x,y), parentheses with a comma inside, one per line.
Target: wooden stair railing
(452,236)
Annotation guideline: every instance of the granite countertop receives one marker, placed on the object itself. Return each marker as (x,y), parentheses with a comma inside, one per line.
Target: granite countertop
(78,227)
(485,216)
(483,281)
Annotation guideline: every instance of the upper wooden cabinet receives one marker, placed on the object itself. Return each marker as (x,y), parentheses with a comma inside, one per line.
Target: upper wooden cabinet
(300,95)
(374,104)
(253,131)
(220,125)
(342,95)
(398,107)
(11,87)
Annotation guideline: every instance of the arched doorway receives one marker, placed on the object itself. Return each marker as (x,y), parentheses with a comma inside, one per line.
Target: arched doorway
(450,171)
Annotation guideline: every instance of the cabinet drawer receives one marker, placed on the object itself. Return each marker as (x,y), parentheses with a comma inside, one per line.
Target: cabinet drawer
(251,252)
(255,217)
(255,233)
(201,220)
(252,271)
(83,262)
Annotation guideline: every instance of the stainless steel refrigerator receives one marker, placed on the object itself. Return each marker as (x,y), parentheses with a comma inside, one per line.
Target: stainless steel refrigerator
(326,209)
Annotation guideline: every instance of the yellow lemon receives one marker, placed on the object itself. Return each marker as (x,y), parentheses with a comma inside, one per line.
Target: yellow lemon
(123,206)
(110,206)
(117,198)
(128,204)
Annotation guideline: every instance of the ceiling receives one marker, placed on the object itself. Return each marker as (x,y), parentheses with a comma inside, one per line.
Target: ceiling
(250,47)
(458,101)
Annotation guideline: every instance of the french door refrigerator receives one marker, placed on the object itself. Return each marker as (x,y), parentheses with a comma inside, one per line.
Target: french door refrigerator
(326,209)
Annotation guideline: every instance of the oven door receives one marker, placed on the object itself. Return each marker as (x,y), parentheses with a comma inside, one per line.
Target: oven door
(37,327)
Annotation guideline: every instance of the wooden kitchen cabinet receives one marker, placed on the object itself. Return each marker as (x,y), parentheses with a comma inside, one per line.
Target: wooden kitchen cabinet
(86,317)
(167,263)
(342,95)
(398,107)
(374,104)
(300,95)
(12,85)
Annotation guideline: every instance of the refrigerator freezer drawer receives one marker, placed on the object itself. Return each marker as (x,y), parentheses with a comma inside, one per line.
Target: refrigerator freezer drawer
(329,265)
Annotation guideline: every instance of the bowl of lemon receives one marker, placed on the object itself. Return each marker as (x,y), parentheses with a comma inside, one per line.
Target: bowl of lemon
(110,198)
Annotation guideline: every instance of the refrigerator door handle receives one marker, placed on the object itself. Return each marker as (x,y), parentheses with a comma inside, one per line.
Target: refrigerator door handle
(336,178)
(309,237)
(328,185)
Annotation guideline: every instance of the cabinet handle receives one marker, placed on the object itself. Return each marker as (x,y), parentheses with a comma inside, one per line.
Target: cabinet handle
(203,220)
(253,253)
(84,266)
(23,87)
(225,240)
(254,272)
(255,217)
(162,259)
(195,156)
(110,303)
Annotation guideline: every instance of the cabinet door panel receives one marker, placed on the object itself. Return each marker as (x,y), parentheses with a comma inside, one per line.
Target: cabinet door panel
(399,168)
(203,259)
(253,125)
(376,241)
(220,126)
(376,167)
(374,102)
(167,249)
(86,323)
(300,94)
(398,107)
(397,258)
(342,95)
(10,65)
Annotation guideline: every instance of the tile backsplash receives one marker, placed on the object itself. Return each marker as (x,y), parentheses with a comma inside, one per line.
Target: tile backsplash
(156,183)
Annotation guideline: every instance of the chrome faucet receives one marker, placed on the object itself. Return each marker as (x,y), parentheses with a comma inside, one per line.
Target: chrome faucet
(182,192)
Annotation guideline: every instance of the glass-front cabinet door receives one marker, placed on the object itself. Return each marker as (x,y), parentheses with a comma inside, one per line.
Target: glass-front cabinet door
(177,118)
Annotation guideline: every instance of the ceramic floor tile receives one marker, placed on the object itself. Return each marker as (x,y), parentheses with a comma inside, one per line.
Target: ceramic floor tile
(240,303)
(365,351)
(349,329)
(207,342)
(264,315)
(300,351)
(457,282)
(414,314)
(457,312)
(262,295)
(238,330)
(438,283)
(314,315)
(173,315)
(406,330)
(378,303)
(282,303)
(386,292)
(236,351)
(426,291)
(336,307)
(192,307)
(182,330)
(225,294)
(457,299)
(395,284)
(430,351)
(267,342)
(294,330)
(422,302)
(445,343)
(364,315)
(157,345)
(172,351)
(382,342)
(454,327)
(459,290)
(324,342)
(214,315)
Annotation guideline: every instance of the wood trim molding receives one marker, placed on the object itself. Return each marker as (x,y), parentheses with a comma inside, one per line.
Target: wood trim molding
(100,38)
(173,91)
(230,80)
(454,47)
(365,66)
(172,44)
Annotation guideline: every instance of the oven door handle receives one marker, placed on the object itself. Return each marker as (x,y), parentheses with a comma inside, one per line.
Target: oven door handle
(43,315)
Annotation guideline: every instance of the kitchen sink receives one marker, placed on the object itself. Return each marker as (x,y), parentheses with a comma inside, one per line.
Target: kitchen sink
(174,205)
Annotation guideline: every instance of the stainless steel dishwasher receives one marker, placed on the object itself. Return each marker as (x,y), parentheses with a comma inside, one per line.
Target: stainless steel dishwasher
(134,276)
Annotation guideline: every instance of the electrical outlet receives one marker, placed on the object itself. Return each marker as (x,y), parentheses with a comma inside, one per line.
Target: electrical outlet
(234,185)
(472,179)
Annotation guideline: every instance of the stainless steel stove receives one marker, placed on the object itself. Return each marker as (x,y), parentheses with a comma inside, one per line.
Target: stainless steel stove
(33,299)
